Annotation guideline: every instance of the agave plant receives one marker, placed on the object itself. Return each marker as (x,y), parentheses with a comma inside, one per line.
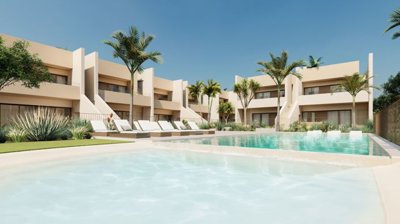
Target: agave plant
(41,125)
(80,129)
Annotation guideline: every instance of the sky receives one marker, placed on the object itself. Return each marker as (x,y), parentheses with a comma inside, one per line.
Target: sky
(210,39)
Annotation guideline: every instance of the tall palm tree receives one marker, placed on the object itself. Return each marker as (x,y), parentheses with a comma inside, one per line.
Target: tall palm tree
(314,63)
(196,90)
(211,90)
(131,49)
(395,22)
(225,109)
(278,69)
(246,91)
(353,85)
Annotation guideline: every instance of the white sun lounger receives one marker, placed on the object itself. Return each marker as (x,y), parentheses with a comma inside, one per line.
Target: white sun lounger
(126,131)
(194,126)
(154,129)
(355,135)
(99,128)
(333,134)
(181,126)
(167,126)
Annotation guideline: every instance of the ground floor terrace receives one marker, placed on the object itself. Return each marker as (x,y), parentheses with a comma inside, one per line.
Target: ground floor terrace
(164,180)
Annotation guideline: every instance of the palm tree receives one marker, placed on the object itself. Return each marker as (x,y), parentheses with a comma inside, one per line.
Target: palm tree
(131,49)
(395,22)
(278,69)
(225,109)
(211,90)
(196,91)
(246,91)
(354,84)
(314,63)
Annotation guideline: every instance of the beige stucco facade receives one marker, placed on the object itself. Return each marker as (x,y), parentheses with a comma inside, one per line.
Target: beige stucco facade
(312,98)
(92,88)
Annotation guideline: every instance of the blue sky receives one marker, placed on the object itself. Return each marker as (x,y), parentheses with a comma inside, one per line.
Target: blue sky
(206,39)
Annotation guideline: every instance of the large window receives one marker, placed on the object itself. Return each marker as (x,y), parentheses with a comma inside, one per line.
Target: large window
(123,114)
(113,87)
(269,94)
(338,117)
(162,117)
(263,119)
(59,79)
(311,90)
(8,111)
(322,89)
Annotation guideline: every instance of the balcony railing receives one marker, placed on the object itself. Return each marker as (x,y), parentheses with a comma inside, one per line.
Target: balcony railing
(168,105)
(124,98)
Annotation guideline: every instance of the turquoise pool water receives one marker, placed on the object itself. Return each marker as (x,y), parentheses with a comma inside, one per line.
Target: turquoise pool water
(166,186)
(296,141)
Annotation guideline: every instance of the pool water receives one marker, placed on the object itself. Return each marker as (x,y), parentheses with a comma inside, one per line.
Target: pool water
(296,141)
(166,186)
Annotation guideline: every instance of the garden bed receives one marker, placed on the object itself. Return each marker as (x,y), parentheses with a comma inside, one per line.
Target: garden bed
(28,146)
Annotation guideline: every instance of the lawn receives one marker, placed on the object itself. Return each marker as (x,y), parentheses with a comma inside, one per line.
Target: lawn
(27,146)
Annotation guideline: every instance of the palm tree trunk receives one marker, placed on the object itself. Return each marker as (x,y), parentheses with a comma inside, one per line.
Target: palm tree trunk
(353,115)
(209,109)
(131,103)
(245,116)
(278,116)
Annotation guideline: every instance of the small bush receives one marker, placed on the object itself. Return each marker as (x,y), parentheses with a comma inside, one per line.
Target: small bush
(3,135)
(204,125)
(79,132)
(16,135)
(328,126)
(368,127)
(344,128)
(80,129)
(315,126)
(298,126)
(41,125)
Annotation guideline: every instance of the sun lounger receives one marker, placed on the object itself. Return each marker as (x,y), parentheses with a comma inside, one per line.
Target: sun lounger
(181,126)
(100,129)
(153,128)
(126,131)
(167,126)
(333,134)
(194,126)
(355,135)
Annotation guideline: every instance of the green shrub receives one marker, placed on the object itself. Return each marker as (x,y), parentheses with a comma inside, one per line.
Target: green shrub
(219,126)
(328,126)
(315,126)
(344,128)
(80,129)
(3,134)
(368,127)
(16,135)
(79,132)
(41,125)
(298,126)
(204,125)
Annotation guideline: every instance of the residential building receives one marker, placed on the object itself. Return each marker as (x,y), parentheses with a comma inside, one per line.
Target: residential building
(313,98)
(89,87)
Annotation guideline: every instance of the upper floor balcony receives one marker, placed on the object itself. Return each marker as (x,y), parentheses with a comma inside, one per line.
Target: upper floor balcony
(199,108)
(264,102)
(166,105)
(124,98)
(331,98)
(52,90)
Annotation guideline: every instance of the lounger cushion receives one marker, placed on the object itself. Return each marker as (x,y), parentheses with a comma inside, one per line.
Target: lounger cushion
(126,128)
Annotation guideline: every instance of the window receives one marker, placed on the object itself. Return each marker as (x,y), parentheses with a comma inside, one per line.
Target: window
(8,111)
(123,114)
(263,119)
(311,90)
(113,87)
(262,95)
(59,79)
(162,117)
(335,116)
(140,86)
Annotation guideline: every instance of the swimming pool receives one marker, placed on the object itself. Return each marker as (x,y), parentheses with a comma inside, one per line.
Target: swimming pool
(167,186)
(342,143)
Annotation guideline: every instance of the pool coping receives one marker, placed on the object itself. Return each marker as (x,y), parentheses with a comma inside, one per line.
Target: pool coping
(386,170)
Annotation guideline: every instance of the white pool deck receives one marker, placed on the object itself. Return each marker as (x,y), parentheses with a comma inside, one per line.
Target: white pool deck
(385,168)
